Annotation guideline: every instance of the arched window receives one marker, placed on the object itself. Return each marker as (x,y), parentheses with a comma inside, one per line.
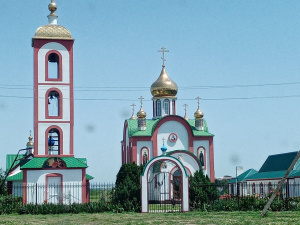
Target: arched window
(144,155)
(261,188)
(202,157)
(269,187)
(53,103)
(53,66)
(253,188)
(167,106)
(53,142)
(158,107)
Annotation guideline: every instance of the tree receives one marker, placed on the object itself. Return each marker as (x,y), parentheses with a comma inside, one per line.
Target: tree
(202,191)
(127,192)
(2,184)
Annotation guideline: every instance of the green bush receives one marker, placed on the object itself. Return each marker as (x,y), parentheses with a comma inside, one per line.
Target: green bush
(9,204)
(127,193)
(202,191)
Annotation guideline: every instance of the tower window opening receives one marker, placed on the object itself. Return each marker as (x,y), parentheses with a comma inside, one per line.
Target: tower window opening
(167,106)
(53,103)
(158,108)
(53,142)
(53,66)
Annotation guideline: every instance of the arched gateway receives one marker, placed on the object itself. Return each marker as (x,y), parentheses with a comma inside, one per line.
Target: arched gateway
(164,185)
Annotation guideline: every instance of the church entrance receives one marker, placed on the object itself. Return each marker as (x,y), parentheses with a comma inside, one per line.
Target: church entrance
(165,188)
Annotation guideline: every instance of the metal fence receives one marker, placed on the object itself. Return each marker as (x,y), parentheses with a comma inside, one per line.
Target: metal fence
(66,193)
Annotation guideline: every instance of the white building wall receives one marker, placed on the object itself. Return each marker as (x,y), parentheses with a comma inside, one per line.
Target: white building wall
(140,145)
(65,61)
(71,191)
(172,127)
(42,132)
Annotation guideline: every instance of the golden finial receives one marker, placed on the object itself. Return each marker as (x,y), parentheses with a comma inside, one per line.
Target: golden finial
(198,114)
(185,116)
(133,116)
(30,142)
(52,7)
(163,50)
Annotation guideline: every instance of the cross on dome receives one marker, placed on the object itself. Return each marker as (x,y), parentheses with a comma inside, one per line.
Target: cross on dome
(163,139)
(133,107)
(198,101)
(163,50)
(141,100)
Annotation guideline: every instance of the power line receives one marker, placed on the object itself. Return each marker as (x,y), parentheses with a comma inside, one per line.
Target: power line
(187,99)
(134,88)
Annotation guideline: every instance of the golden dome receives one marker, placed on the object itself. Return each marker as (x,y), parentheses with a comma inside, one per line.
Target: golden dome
(141,114)
(53,32)
(30,142)
(198,114)
(164,86)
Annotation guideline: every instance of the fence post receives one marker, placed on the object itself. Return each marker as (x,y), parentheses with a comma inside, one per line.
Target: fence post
(36,195)
(238,194)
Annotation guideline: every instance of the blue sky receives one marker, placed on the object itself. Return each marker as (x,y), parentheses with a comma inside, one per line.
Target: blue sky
(241,57)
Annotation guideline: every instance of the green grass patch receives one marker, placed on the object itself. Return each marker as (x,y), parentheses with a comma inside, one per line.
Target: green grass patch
(235,217)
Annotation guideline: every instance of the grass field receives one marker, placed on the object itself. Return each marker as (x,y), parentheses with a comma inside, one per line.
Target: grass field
(158,218)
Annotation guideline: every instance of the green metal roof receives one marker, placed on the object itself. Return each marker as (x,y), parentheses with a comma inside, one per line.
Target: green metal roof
(15,177)
(19,177)
(37,163)
(151,124)
(267,175)
(242,177)
(89,177)
(10,159)
(278,162)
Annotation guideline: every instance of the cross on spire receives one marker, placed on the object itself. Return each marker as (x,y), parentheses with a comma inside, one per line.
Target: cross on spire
(133,107)
(163,50)
(141,99)
(198,101)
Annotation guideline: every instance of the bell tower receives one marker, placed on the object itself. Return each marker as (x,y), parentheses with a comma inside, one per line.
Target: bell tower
(53,88)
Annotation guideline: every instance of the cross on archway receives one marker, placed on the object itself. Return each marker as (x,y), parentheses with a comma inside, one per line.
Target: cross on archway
(133,107)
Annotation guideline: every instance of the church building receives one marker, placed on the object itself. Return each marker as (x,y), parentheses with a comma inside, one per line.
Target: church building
(48,171)
(186,139)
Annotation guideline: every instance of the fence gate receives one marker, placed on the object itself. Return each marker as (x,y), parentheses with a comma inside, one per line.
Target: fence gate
(165,192)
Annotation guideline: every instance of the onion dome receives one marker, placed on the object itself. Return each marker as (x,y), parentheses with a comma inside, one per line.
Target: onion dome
(52,30)
(186,117)
(164,86)
(133,117)
(141,114)
(198,114)
(163,149)
(30,143)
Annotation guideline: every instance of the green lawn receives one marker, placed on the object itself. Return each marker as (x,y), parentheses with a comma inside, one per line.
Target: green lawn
(157,218)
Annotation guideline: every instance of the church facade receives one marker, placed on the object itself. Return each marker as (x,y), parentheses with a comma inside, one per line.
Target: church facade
(182,137)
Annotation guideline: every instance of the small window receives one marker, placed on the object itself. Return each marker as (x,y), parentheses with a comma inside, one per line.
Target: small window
(53,142)
(167,106)
(53,103)
(158,108)
(144,155)
(53,66)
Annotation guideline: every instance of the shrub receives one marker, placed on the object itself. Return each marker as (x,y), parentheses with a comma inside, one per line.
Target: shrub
(127,193)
